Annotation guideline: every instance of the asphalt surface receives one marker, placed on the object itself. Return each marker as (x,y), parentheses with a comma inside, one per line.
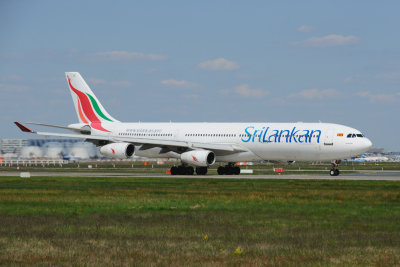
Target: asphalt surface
(366,175)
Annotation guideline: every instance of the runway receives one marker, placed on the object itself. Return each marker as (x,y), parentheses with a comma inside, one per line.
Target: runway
(366,176)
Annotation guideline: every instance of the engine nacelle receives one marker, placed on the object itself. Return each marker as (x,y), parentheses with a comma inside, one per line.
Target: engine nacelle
(200,158)
(118,150)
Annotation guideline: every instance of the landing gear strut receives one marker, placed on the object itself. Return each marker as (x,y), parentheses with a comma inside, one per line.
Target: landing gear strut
(334,171)
(229,169)
(182,170)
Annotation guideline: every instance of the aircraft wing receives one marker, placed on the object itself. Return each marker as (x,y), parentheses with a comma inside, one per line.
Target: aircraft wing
(141,141)
(48,125)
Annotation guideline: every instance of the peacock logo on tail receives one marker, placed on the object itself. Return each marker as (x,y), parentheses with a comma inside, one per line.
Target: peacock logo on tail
(89,110)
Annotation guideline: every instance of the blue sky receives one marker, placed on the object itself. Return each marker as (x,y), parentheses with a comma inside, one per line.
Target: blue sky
(286,61)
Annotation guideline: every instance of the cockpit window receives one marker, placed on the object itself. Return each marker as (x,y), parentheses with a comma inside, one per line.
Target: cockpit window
(353,135)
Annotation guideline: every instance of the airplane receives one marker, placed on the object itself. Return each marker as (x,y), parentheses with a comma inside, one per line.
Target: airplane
(69,157)
(363,158)
(203,144)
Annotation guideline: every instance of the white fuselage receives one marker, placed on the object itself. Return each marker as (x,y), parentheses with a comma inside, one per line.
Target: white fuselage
(258,141)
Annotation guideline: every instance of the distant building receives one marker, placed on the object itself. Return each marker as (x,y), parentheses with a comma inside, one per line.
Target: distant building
(50,148)
(376,150)
(14,146)
(42,142)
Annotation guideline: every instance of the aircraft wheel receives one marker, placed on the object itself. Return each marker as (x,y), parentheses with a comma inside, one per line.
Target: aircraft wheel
(189,170)
(174,170)
(221,170)
(334,171)
(228,170)
(201,170)
(181,170)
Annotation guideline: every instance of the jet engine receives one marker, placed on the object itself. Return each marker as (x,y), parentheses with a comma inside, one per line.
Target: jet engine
(200,158)
(118,150)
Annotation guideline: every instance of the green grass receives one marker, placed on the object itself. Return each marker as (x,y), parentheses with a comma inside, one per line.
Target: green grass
(164,221)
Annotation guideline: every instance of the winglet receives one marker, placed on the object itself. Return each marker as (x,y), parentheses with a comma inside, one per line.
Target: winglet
(23,128)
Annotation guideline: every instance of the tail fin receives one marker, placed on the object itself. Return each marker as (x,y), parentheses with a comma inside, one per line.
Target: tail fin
(87,106)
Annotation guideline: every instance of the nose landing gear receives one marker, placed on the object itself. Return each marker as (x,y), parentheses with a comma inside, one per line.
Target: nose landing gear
(334,171)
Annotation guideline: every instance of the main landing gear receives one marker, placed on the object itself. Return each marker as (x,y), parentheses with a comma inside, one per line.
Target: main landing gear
(228,169)
(334,171)
(182,170)
(188,170)
(201,170)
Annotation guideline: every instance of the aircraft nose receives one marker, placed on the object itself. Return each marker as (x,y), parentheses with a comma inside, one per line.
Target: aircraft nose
(368,143)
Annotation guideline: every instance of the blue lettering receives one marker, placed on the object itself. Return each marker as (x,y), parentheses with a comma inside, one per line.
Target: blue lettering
(282,132)
(275,135)
(265,133)
(314,132)
(306,135)
(259,137)
(254,135)
(293,135)
(248,134)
